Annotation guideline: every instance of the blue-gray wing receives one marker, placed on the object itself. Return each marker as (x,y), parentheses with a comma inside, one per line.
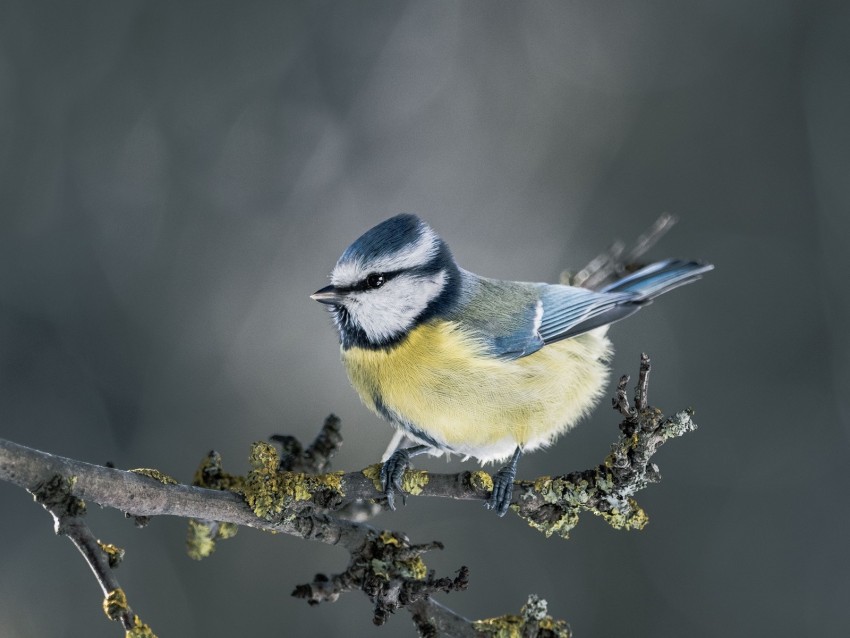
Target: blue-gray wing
(504,315)
(516,319)
(568,311)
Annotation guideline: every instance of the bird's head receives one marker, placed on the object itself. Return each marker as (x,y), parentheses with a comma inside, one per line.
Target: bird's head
(392,278)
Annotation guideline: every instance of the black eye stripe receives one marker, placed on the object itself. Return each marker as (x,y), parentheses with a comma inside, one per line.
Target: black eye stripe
(363,284)
(430,268)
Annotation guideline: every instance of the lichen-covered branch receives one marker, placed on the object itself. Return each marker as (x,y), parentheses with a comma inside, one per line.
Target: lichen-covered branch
(68,511)
(553,504)
(385,565)
(390,570)
(317,456)
(290,494)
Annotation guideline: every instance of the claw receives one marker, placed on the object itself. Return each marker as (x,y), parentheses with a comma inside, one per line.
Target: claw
(503,486)
(392,471)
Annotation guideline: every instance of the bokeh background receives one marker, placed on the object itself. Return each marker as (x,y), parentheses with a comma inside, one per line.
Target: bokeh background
(177,178)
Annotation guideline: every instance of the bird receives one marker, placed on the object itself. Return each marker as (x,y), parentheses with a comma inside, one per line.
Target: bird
(464,364)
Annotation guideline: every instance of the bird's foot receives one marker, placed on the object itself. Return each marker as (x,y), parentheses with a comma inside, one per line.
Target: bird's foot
(392,472)
(503,486)
(503,489)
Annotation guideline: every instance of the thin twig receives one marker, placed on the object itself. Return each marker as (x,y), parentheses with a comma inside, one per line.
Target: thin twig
(616,261)
(317,457)
(642,389)
(647,240)
(621,399)
(68,511)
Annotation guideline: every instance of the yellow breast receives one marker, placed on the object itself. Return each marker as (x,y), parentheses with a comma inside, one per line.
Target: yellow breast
(441,380)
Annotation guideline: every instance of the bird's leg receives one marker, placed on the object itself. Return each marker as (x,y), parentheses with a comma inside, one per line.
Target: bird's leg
(503,486)
(393,470)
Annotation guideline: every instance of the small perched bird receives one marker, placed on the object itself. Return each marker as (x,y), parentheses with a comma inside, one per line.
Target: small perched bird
(468,365)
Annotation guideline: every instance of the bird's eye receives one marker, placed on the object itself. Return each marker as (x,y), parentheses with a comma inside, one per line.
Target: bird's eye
(375,280)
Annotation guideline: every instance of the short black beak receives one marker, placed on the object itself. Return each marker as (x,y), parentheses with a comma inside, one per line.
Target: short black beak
(329,295)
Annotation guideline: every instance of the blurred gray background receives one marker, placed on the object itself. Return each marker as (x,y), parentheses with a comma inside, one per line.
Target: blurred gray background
(177,178)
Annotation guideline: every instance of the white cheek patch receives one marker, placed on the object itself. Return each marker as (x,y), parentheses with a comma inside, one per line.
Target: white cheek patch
(390,310)
(418,253)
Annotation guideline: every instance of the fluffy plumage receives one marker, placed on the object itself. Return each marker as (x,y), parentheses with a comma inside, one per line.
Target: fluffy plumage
(471,365)
(444,388)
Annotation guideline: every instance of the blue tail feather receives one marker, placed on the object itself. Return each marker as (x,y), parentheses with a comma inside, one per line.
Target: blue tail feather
(658,278)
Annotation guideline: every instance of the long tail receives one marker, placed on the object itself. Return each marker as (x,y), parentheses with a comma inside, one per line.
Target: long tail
(658,278)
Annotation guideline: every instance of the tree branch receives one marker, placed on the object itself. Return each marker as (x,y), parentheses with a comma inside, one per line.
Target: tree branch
(292,493)
(384,565)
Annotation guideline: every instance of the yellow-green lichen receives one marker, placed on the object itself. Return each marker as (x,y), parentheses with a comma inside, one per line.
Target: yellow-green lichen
(200,540)
(560,526)
(115,604)
(388,538)
(512,626)
(558,627)
(543,486)
(414,480)
(139,630)
(411,483)
(211,476)
(507,626)
(407,567)
(202,536)
(481,481)
(268,491)
(560,491)
(263,491)
(155,475)
(296,486)
(113,553)
(373,473)
(380,568)
(413,568)
(605,482)
(331,481)
(631,517)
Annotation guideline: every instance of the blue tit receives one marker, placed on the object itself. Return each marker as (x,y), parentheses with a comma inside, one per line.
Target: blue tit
(469,365)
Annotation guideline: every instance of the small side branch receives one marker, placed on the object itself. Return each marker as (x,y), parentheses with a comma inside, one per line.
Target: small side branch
(621,400)
(390,571)
(642,389)
(317,457)
(553,504)
(55,495)
(617,262)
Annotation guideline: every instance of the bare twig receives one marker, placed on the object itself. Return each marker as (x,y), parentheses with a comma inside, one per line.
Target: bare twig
(55,494)
(316,458)
(642,389)
(621,399)
(616,261)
